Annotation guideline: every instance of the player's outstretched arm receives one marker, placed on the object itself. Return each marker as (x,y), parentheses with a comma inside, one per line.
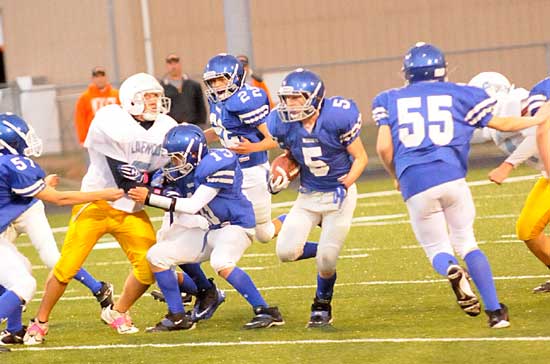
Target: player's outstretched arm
(515,123)
(202,196)
(63,198)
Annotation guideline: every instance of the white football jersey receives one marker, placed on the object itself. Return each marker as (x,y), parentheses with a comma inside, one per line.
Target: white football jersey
(116,134)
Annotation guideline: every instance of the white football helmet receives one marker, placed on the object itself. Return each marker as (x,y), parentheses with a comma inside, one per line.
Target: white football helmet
(494,83)
(132,98)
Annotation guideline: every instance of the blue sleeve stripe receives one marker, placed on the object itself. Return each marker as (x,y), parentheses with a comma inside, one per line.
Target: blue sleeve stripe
(478,112)
(31,190)
(534,102)
(346,137)
(255,115)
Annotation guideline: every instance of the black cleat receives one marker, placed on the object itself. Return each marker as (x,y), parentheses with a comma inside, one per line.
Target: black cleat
(173,322)
(321,314)
(498,319)
(105,295)
(9,338)
(543,288)
(159,296)
(207,302)
(465,297)
(265,317)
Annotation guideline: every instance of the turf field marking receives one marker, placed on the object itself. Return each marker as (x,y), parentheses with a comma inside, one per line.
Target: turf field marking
(292,342)
(350,284)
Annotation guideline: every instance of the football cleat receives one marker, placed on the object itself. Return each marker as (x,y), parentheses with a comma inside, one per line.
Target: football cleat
(173,322)
(543,288)
(465,297)
(120,321)
(105,295)
(36,332)
(9,338)
(265,317)
(498,319)
(321,314)
(207,302)
(159,296)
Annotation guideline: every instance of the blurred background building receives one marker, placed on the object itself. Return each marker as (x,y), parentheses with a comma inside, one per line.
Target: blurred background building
(49,47)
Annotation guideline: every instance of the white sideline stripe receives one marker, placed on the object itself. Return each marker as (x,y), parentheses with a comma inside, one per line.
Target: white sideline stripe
(63,229)
(351,284)
(293,342)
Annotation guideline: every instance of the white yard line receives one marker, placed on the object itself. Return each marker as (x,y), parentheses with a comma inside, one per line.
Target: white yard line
(350,284)
(291,342)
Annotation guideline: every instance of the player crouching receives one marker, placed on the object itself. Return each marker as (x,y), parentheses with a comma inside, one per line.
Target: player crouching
(213,179)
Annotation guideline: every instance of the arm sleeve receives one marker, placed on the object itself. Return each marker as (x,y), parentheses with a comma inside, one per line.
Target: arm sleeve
(380,113)
(202,196)
(525,150)
(120,181)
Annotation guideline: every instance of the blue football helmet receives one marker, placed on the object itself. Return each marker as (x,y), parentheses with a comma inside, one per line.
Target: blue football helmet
(424,62)
(306,84)
(186,146)
(228,67)
(18,137)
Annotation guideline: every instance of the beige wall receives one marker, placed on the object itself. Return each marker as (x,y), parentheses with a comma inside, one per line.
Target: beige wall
(356,45)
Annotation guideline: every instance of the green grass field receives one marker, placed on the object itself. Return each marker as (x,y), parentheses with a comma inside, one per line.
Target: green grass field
(389,305)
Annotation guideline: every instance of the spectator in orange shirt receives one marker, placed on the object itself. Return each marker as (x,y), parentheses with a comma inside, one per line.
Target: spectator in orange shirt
(254,79)
(99,93)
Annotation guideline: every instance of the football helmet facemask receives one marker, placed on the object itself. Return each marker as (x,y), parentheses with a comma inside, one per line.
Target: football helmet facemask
(306,84)
(185,145)
(228,67)
(132,96)
(18,137)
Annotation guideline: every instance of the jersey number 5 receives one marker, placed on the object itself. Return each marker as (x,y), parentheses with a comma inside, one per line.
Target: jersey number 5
(412,131)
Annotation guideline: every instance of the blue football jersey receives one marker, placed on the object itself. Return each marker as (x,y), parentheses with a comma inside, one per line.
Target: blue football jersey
(220,169)
(20,179)
(538,96)
(431,125)
(239,116)
(321,154)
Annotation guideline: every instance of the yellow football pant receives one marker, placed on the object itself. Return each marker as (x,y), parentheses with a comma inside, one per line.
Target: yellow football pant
(134,232)
(535,214)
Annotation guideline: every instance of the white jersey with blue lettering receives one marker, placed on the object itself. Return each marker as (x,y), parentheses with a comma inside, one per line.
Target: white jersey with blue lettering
(114,133)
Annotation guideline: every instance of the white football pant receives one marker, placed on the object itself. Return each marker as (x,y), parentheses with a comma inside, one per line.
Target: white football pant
(34,223)
(15,271)
(307,212)
(255,189)
(180,244)
(442,219)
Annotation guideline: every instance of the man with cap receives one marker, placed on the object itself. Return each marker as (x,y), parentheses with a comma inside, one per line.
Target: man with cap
(187,101)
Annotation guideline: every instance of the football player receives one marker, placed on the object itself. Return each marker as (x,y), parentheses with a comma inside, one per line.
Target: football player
(535,214)
(423,142)
(120,135)
(216,178)
(22,181)
(237,114)
(322,134)
(520,146)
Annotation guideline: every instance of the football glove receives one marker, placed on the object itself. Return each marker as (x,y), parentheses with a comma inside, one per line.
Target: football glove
(339,195)
(276,185)
(131,173)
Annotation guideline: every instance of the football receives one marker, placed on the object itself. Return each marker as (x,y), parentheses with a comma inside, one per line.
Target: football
(287,164)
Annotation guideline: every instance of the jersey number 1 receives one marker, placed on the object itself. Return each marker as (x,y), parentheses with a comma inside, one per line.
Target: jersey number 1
(412,131)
